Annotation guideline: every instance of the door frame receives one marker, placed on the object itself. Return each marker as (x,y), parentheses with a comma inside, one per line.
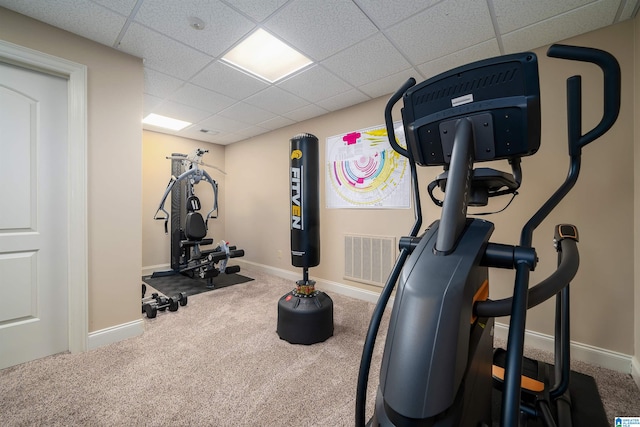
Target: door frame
(77,256)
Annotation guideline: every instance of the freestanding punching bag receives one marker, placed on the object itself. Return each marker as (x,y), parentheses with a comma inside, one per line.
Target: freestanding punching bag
(305,315)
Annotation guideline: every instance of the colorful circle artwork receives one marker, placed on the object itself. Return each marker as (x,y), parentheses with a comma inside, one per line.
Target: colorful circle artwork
(363,170)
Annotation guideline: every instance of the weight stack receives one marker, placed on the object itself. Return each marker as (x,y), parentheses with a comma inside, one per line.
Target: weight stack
(305,315)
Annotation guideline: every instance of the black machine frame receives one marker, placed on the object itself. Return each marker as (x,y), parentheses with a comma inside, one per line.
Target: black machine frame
(492,108)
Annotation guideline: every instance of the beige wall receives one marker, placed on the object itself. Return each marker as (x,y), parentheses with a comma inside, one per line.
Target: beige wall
(601,205)
(636,93)
(115,84)
(156,170)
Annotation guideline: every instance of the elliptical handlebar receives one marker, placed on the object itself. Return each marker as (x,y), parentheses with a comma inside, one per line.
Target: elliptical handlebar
(611,101)
(547,288)
(611,70)
(387,115)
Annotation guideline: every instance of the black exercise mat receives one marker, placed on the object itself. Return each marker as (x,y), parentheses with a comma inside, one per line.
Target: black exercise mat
(172,283)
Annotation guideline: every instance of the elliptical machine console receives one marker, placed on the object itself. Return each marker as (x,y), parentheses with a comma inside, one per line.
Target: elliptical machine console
(437,367)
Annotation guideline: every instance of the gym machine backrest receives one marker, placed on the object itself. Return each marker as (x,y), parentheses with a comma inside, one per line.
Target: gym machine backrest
(484,111)
(195,228)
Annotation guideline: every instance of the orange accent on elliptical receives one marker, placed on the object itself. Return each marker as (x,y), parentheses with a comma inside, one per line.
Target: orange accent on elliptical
(525,382)
(481,295)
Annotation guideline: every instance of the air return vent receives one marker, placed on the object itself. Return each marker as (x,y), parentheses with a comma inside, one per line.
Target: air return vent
(368,259)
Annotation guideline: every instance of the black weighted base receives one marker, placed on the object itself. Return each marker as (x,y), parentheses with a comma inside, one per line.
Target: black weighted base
(305,319)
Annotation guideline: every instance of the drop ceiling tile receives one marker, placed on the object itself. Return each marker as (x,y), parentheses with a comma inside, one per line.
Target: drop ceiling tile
(181,112)
(305,113)
(390,84)
(442,29)
(229,138)
(150,102)
(229,81)
(389,12)
(305,84)
(90,20)
(214,137)
(193,132)
(124,7)
(250,131)
(367,61)
(320,28)
(159,84)
(561,27)
(257,9)
(201,98)
(222,124)
(246,113)
(628,9)
(514,14)
(276,123)
(162,53)
(276,100)
(346,99)
(223,25)
(480,51)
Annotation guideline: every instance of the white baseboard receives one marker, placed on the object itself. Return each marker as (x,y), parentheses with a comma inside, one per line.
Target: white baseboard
(115,333)
(635,370)
(321,284)
(583,352)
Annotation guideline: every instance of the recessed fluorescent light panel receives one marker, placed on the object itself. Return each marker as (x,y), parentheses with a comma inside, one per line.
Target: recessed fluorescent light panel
(165,122)
(267,57)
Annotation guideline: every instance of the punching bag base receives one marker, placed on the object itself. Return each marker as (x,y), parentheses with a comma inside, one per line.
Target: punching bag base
(305,319)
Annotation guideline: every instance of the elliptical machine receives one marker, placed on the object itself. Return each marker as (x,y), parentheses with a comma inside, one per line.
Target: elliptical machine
(437,367)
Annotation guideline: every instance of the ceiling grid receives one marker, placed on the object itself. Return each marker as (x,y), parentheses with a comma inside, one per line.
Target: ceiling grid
(361,49)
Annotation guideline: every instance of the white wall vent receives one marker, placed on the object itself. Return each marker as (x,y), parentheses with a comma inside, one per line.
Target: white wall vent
(369,259)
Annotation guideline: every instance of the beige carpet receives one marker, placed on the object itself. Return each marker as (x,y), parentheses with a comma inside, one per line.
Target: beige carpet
(219,362)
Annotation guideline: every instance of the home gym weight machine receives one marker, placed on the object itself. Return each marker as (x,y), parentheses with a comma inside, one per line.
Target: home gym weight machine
(437,366)
(188,227)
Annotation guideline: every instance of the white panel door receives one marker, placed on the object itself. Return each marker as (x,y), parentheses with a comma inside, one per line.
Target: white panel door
(33,215)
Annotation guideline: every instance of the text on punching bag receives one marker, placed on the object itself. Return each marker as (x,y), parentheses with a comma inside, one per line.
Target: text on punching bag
(296,196)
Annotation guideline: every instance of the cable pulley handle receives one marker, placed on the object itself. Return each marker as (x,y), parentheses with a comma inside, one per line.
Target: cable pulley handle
(389,121)
(161,218)
(611,71)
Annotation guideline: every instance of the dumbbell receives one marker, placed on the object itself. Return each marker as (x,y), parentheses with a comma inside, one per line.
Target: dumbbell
(152,298)
(148,299)
(160,303)
(182,298)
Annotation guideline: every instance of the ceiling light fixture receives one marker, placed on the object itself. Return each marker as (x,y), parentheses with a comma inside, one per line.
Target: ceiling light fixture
(165,122)
(267,57)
